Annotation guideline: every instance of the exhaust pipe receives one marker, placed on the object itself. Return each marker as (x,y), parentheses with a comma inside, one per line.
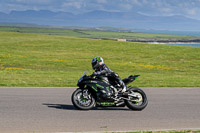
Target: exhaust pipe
(120,103)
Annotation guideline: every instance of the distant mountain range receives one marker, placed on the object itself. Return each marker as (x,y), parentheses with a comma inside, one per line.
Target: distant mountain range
(102,18)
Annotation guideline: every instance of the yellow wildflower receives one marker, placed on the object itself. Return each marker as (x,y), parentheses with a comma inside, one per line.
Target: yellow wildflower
(157,67)
(58,60)
(12,68)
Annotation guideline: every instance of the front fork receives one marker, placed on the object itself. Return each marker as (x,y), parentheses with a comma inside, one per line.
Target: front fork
(86,94)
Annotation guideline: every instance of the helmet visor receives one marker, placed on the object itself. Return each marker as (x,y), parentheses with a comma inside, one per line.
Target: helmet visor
(94,65)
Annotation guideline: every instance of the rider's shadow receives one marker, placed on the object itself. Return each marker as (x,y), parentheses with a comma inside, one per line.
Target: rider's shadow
(71,107)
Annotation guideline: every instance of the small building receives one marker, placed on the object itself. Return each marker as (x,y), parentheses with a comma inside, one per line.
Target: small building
(121,40)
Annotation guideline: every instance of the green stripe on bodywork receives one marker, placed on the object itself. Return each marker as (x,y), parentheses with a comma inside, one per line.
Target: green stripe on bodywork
(106,103)
(136,78)
(94,88)
(99,86)
(108,88)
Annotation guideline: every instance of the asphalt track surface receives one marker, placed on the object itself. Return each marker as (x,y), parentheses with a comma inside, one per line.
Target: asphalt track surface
(27,110)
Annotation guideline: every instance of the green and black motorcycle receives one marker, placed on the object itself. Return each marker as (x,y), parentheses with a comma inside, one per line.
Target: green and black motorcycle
(93,91)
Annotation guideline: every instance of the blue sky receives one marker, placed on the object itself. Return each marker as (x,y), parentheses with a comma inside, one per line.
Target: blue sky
(189,8)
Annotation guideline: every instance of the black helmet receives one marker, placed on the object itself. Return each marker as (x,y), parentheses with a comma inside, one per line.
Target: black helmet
(96,62)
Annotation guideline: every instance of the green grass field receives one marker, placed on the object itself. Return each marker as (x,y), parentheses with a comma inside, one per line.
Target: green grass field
(50,60)
(99,34)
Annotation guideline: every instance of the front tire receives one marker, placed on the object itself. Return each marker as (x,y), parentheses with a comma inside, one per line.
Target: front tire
(81,102)
(138,103)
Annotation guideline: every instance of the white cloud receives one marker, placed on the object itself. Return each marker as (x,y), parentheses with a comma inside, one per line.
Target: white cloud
(191,11)
(135,2)
(145,1)
(38,2)
(72,4)
(12,7)
(102,1)
(126,7)
(21,0)
(149,7)
(166,11)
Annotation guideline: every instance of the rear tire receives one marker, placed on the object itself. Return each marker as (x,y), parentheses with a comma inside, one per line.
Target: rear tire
(137,104)
(82,103)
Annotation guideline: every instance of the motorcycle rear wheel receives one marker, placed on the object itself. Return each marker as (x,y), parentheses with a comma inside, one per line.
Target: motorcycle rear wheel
(80,102)
(137,103)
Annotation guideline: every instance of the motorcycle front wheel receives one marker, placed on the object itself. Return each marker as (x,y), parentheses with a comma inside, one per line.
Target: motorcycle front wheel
(82,100)
(137,99)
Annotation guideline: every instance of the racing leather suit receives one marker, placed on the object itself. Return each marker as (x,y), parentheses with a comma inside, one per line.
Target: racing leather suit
(107,74)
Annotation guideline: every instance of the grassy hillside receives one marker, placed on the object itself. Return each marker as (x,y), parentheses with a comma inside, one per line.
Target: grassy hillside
(100,34)
(47,60)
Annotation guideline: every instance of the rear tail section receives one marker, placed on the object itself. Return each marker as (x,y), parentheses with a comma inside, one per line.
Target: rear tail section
(130,79)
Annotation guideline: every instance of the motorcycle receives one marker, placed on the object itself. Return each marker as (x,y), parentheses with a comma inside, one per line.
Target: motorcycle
(95,92)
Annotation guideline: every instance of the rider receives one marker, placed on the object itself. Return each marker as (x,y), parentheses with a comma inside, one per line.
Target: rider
(101,69)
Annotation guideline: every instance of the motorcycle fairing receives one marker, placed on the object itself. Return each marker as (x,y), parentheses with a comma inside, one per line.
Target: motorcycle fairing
(97,85)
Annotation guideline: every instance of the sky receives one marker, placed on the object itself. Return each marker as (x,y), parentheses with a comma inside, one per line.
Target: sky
(188,8)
